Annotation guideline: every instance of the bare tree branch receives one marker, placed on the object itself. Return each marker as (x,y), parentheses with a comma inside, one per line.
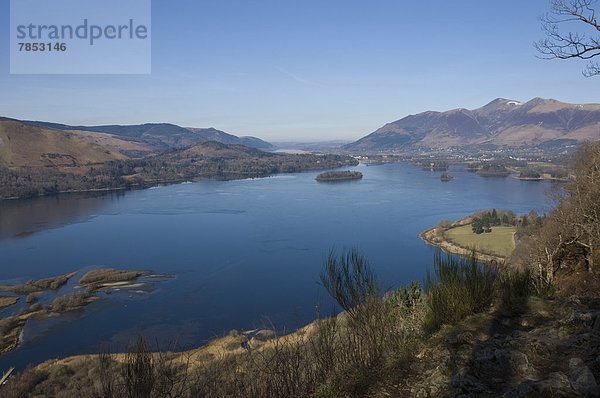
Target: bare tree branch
(567,45)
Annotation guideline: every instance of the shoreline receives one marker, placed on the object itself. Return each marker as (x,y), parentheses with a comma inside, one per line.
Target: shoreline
(429,236)
(134,187)
(161,182)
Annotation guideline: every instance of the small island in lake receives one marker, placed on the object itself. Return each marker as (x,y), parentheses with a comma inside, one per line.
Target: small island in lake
(58,302)
(445,177)
(339,176)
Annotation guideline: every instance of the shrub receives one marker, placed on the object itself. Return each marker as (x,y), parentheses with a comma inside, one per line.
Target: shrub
(349,280)
(139,371)
(8,324)
(109,275)
(69,302)
(361,344)
(515,286)
(36,286)
(59,282)
(31,298)
(517,283)
(405,298)
(460,287)
(21,385)
(445,224)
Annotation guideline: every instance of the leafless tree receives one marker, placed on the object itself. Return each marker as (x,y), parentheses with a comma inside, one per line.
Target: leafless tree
(580,39)
(569,239)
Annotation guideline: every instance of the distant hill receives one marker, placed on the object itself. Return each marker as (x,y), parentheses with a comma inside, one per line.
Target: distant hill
(214,159)
(331,146)
(216,149)
(159,136)
(209,159)
(23,145)
(212,134)
(501,123)
(41,158)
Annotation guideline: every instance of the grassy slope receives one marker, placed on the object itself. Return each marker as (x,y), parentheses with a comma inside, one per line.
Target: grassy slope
(27,146)
(499,242)
(114,143)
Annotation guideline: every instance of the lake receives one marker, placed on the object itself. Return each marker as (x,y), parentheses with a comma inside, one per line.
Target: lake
(244,254)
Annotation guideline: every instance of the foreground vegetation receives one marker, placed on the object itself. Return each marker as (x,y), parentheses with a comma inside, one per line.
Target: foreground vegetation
(380,346)
(344,355)
(470,321)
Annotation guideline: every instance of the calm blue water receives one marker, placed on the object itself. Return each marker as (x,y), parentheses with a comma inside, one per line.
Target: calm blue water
(245,253)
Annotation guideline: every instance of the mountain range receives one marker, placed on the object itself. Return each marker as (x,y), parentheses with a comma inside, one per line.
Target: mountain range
(26,143)
(160,136)
(502,123)
(37,161)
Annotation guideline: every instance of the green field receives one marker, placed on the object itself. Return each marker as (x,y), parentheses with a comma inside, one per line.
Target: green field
(499,242)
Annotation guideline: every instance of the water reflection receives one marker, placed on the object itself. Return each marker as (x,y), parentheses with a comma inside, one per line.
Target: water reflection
(22,218)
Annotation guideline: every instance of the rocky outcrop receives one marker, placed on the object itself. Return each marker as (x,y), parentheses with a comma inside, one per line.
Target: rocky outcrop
(542,348)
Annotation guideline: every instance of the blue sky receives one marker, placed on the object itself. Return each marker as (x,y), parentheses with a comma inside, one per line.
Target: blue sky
(309,70)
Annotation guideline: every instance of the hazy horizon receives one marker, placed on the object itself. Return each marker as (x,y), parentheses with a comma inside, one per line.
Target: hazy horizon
(279,140)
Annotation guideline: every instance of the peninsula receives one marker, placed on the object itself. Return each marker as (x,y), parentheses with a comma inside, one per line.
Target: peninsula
(490,234)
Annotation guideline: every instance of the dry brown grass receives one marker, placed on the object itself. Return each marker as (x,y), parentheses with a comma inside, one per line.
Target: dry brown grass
(7,301)
(113,143)
(109,275)
(29,146)
(35,286)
